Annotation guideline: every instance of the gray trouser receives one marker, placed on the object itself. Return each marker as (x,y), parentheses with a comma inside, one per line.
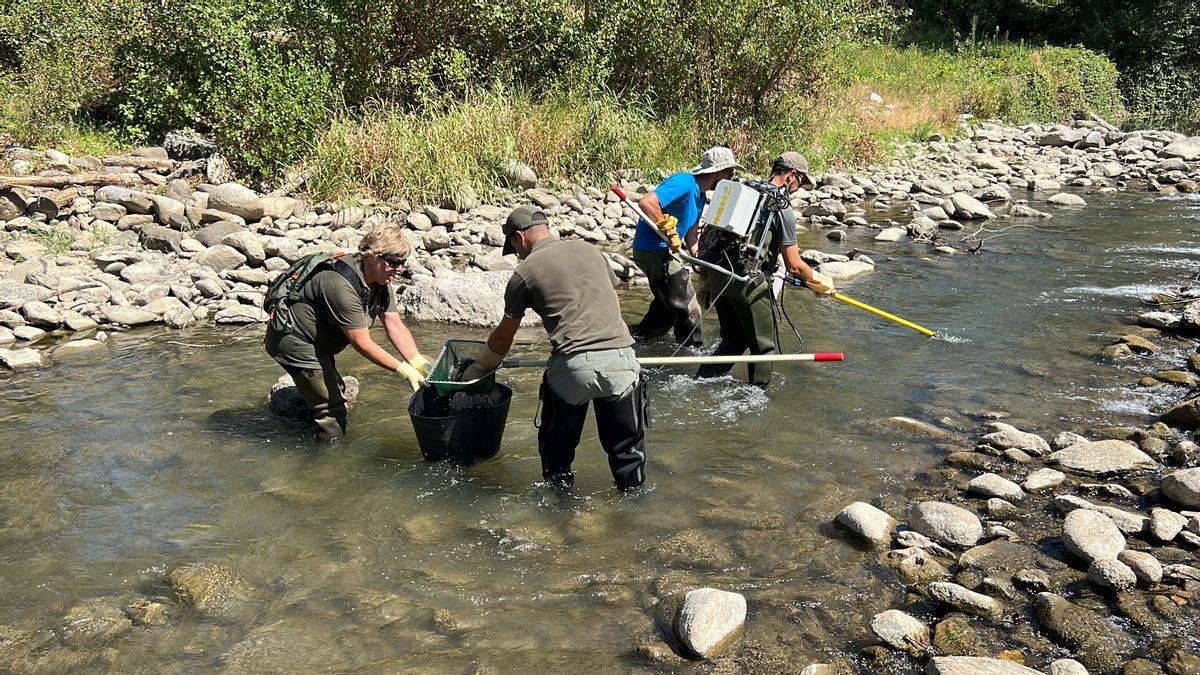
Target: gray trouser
(610,380)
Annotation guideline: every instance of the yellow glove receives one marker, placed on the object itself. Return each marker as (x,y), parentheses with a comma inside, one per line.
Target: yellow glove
(422,364)
(485,362)
(414,376)
(821,284)
(669,227)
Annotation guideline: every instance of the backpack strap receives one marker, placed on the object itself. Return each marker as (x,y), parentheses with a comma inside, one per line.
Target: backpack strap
(343,268)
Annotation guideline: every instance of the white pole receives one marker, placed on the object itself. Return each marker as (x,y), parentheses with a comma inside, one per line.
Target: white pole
(698,360)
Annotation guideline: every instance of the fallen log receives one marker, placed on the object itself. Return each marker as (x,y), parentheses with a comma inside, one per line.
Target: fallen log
(138,162)
(122,179)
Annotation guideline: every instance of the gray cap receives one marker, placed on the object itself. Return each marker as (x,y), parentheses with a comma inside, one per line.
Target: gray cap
(791,160)
(716,158)
(521,218)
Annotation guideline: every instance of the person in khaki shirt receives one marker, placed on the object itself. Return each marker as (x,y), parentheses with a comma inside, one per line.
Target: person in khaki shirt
(336,308)
(571,287)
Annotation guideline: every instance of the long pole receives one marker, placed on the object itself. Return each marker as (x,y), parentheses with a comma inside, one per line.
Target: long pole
(698,360)
(879,312)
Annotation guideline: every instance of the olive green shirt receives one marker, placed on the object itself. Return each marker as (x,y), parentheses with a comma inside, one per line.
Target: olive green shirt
(328,305)
(570,285)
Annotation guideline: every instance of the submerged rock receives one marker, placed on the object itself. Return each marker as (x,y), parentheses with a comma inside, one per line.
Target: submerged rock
(215,591)
(710,620)
(955,636)
(1098,642)
(93,625)
(285,399)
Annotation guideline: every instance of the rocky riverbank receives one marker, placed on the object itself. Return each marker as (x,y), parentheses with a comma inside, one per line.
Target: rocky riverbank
(975,558)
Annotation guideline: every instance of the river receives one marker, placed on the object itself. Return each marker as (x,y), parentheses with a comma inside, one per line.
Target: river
(123,464)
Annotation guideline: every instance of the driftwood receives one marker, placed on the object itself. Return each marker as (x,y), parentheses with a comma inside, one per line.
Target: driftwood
(139,162)
(124,179)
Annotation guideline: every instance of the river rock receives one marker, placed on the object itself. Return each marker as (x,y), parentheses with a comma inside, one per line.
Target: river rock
(215,591)
(914,565)
(1067,667)
(1066,199)
(93,625)
(129,316)
(891,234)
(967,207)
(211,235)
(285,399)
(77,347)
(1005,436)
(1043,479)
(220,258)
(844,271)
(22,358)
(12,293)
(159,238)
(1111,573)
(233,198)
(40,314)
(710,620)
(947,524)
(470,299)
(1126,522)
(1100,458)
(901,631)
(965,600)
(918,427)
(824,208)
(992,485)
(514,174)
(1091,535)
(170,212)
(133,200)
(241,314)
(1187,149)
(1097,641)
(246,243)
(1166,524)
(1183,486)
(872,524)
(975,665)
(1145,566)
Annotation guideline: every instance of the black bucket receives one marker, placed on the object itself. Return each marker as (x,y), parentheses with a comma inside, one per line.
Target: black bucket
(461,428)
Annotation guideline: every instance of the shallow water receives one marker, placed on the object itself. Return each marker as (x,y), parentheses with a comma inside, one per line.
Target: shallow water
(121,465)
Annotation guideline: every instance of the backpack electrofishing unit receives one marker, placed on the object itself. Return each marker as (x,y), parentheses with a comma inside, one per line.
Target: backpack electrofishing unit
(739,222)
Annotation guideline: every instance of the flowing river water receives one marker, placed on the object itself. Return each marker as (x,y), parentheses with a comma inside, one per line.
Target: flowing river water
(121,465)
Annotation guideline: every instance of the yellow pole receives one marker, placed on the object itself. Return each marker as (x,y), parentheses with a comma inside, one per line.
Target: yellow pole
(880,312)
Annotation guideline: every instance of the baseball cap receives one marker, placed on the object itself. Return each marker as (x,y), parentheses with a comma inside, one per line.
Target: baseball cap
(521,218)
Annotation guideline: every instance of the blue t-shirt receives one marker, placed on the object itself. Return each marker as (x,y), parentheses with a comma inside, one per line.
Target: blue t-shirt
(680,196)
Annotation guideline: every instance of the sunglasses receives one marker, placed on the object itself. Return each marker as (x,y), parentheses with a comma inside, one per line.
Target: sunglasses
(392,260)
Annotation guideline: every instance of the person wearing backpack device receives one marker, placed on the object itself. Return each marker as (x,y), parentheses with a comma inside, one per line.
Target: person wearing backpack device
(323,304)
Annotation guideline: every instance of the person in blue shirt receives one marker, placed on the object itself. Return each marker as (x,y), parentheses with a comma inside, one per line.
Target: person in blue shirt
(674,208)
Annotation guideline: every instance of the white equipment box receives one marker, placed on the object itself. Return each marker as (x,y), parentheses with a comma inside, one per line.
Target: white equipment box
(733,207)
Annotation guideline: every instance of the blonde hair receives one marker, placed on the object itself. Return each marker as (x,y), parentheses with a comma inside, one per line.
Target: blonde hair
(386,238)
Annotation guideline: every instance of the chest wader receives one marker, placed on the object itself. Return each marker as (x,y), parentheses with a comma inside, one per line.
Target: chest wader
(321,388)
(675,305)
(621,421)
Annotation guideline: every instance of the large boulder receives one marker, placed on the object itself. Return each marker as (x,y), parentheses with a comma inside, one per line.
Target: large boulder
(710,620)
(1099,458)
(1187,149)
(946,523)
(475,299)
(967,207)
(1183,486)
(844,271)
